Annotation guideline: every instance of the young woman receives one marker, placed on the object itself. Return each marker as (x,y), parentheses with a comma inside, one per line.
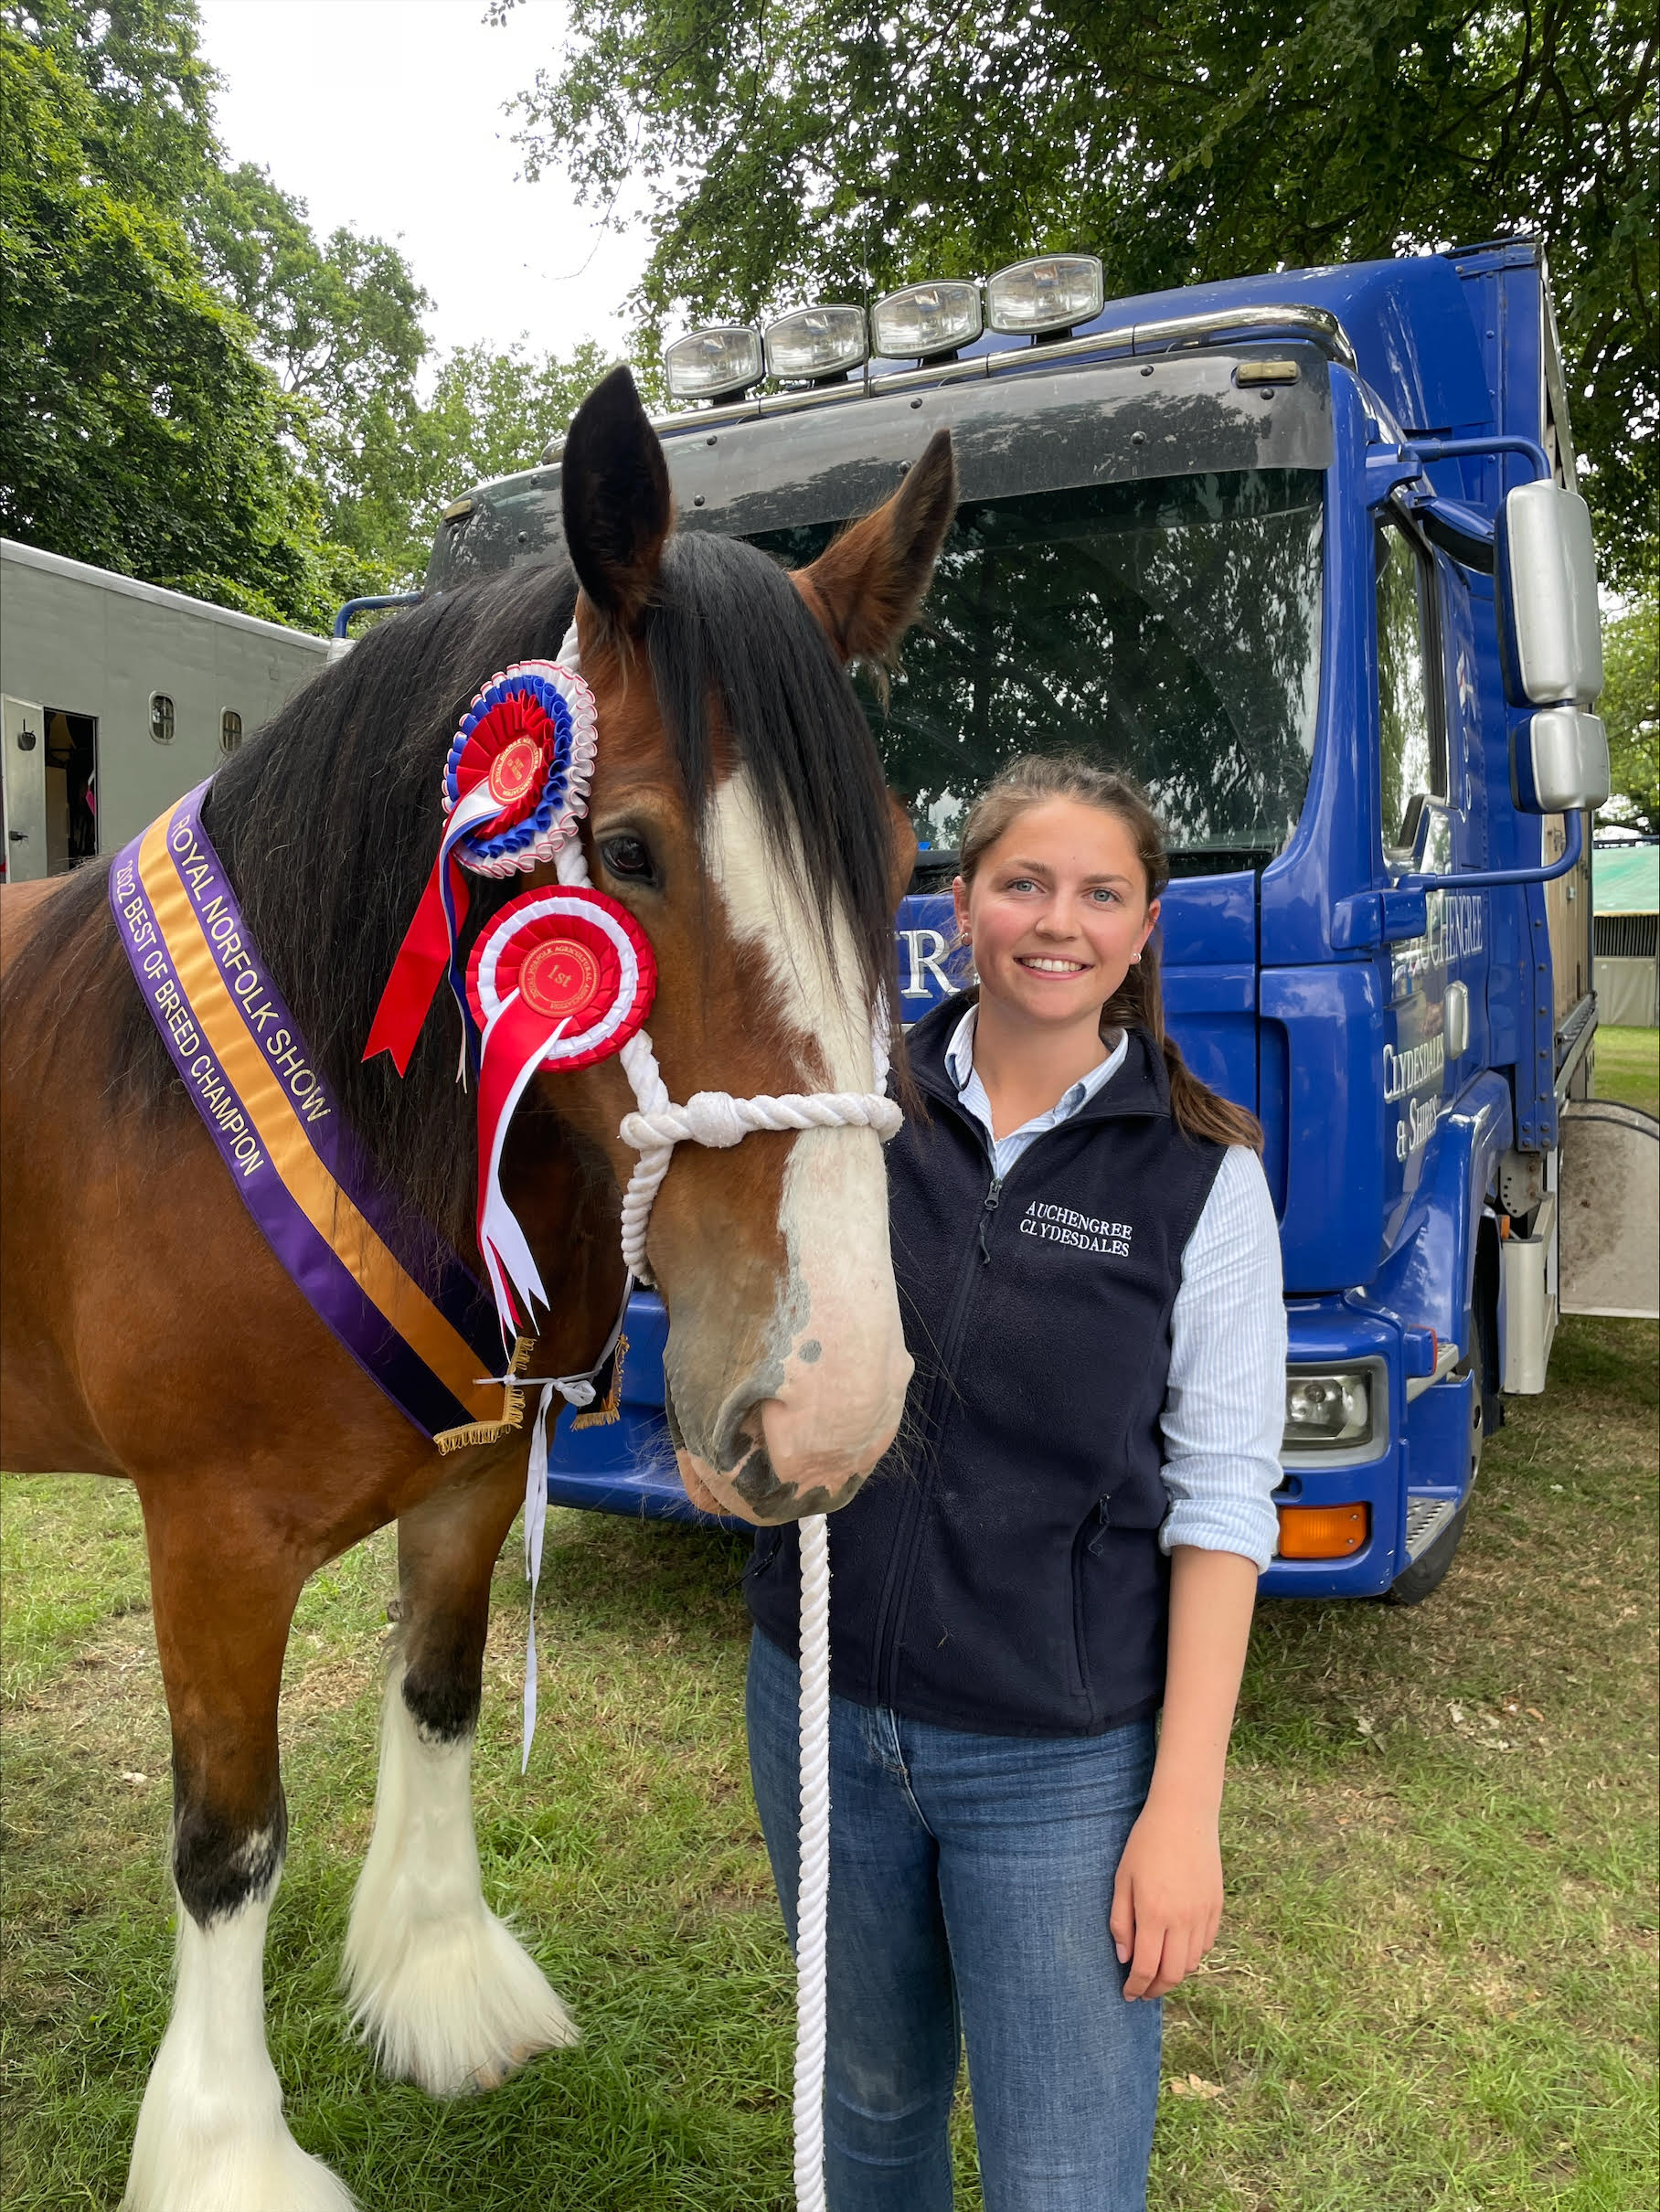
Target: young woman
(1067,1538)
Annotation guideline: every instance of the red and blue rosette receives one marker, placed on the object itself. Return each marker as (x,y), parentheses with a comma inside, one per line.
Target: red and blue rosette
(559,979)
(515,787)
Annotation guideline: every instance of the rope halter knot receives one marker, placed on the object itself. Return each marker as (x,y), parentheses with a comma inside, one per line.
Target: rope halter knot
(716,1119)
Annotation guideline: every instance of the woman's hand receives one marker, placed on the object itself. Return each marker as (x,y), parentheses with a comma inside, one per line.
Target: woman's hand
(1167,1899)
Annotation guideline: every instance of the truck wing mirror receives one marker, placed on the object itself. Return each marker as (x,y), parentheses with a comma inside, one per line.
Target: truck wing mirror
(1558,762)
(1549,643)
(1551,648)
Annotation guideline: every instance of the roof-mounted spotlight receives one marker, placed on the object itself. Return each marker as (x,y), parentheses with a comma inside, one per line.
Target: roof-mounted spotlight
(710,364)
(925,320)
(1047,297)
(817,344)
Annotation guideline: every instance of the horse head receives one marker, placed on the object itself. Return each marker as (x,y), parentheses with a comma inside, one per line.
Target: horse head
(739,811)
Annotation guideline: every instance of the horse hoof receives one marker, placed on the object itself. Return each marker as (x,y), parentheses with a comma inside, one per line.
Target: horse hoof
(201,2168)
(455,2009)
(494,2071)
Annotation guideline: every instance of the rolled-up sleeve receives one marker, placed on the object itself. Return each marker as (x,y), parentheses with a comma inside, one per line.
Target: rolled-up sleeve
(1225,1409)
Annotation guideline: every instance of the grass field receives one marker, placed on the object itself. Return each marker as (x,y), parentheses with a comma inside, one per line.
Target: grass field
(1628,1067)
(1435,1986)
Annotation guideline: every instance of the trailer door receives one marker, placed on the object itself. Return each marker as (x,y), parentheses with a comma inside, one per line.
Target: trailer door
(24,728)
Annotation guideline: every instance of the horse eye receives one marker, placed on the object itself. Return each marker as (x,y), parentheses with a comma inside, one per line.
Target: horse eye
(628,858)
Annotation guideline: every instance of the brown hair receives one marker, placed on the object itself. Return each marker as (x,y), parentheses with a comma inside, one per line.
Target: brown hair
(1031,781)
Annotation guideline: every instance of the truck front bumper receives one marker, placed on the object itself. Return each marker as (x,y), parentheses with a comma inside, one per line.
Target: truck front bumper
(1412,1468)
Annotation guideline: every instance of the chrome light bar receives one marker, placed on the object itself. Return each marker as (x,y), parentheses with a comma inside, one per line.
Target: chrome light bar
(1317,326)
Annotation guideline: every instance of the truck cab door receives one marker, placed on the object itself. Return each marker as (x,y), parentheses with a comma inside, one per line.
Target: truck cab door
(23,726)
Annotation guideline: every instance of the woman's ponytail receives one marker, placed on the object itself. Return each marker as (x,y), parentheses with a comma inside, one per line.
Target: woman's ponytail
(1032,781)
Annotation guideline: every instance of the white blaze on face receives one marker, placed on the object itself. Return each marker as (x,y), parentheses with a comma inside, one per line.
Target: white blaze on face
(835,1335)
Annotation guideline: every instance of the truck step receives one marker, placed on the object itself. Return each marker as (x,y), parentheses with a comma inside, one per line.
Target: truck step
(1426,1517)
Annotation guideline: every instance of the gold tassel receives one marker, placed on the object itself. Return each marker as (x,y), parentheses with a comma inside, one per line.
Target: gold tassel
(601,1416)
(513,1408)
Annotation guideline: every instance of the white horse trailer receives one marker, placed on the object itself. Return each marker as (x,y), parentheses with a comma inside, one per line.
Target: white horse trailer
(118,697)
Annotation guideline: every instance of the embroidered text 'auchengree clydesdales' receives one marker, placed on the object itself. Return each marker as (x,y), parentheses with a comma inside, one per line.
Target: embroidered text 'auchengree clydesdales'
(414,1319)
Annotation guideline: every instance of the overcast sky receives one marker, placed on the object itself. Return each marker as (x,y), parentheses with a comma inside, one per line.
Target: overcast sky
(387,114)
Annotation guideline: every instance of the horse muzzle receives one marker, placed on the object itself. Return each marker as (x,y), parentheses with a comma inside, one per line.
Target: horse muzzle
(781,1458)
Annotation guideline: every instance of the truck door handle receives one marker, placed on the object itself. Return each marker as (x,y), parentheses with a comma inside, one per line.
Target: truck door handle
(17,837)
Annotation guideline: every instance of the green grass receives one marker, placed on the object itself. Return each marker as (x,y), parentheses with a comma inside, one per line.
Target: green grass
(1628,1067)
(1434,1989)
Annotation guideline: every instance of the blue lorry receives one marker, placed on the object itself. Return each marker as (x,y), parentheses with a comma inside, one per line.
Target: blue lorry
(1303,552)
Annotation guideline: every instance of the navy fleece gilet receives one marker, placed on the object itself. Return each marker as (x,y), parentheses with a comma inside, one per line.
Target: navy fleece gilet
(1001,1571)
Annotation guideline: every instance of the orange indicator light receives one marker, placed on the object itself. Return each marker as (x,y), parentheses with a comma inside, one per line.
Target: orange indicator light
(1323,1532)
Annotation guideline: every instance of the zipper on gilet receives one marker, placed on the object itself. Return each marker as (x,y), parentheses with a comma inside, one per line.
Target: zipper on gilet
(978,1258)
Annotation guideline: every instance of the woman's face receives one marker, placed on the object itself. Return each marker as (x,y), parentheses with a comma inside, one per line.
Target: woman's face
(1056,912)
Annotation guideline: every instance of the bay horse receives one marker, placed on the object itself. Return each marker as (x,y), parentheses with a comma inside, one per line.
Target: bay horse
(738,810)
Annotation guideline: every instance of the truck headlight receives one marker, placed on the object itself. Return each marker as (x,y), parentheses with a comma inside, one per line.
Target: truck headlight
(1051,294)
(706,363)
(816,341)
(1321,1410)
(925,319)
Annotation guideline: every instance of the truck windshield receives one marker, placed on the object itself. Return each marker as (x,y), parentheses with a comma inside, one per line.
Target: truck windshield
(1170,627)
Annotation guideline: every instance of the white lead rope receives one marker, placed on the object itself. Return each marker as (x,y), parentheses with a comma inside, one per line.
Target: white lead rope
(813,1892)
(716,1119)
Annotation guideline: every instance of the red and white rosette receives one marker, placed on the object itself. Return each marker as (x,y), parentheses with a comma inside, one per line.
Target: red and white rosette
(515,787)
(560,978)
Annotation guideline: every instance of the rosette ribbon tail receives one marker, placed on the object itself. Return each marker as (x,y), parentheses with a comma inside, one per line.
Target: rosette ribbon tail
(429,949)
(516,1042)
(536,1523)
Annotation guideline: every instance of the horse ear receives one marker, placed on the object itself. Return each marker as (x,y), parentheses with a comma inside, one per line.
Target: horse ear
(865,589)
(613,486)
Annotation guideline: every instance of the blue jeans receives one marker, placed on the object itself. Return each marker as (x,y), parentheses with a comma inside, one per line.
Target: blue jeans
(971,1877)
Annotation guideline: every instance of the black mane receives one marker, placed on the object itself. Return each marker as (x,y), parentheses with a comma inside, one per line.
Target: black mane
(328,822)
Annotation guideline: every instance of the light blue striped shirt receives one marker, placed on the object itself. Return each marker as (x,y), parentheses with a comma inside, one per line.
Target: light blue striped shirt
(1225,1403)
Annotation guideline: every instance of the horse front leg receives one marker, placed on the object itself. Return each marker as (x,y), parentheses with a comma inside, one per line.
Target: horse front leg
(211,2136)
(447,1998)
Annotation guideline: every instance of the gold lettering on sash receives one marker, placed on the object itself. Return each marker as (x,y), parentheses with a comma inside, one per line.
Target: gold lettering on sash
(276,1102)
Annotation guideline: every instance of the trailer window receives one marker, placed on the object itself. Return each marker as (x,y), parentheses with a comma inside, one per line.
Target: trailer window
(1412,746)
(1170,627)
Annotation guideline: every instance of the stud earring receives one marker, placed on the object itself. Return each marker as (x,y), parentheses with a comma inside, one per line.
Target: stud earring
(1136,960)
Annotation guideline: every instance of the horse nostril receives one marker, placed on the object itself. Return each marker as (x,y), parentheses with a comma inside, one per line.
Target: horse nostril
(756,1483)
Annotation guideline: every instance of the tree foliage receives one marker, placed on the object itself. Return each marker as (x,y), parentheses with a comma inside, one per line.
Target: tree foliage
(827,148)
(137,429)
(490,413)
(194,388)
(1630,707)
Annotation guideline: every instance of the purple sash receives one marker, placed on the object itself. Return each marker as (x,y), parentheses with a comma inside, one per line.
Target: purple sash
(412,1316)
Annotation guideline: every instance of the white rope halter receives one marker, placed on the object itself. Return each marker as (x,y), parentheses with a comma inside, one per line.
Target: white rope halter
(716,1119)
